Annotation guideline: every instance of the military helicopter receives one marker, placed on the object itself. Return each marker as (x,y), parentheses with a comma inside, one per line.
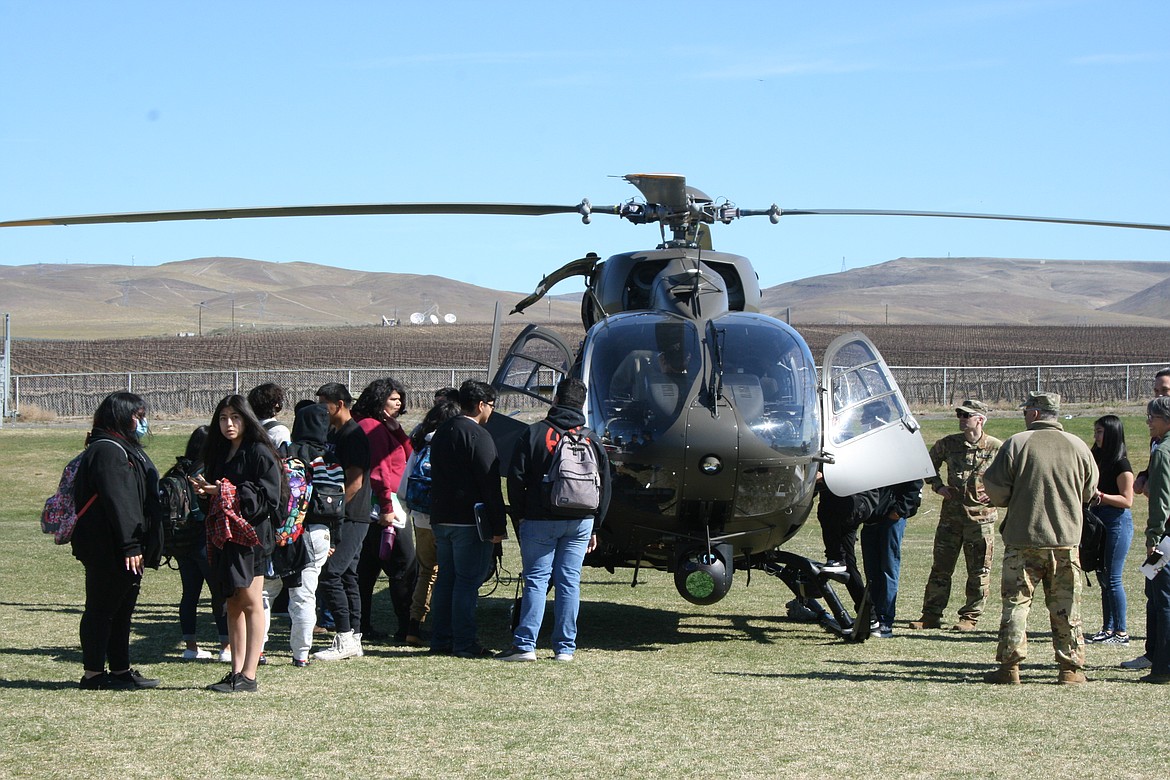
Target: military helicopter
(714,416)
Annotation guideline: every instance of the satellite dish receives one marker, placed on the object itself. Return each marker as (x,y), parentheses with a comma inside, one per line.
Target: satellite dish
(434,319)
(449,318)
(417,318)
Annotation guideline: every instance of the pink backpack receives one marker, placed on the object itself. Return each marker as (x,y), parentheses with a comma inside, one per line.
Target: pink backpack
(58,517)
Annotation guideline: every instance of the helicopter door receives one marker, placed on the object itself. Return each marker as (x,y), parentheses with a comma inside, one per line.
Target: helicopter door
(870,437)
(535,363)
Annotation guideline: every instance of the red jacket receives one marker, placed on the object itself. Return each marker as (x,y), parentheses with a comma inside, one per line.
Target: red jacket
(389,450)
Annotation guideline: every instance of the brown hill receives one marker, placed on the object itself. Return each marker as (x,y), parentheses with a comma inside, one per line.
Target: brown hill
(110,301)
(978,290)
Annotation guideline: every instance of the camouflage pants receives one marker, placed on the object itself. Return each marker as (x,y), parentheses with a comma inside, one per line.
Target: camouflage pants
(977,543)
(1059,571)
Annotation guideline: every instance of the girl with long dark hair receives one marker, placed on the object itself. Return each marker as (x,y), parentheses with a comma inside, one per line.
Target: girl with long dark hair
(1115,493)
(241,480)
(115,491)
(377,410)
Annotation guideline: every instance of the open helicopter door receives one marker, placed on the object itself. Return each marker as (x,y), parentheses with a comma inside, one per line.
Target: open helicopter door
(870,437)
(525,382)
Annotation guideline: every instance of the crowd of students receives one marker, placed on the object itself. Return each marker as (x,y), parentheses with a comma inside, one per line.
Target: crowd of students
(234,468)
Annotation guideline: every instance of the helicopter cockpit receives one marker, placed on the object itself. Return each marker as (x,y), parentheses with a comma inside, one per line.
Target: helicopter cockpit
(644,366)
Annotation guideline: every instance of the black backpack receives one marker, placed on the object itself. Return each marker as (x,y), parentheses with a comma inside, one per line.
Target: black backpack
(1092,547)
(182,517)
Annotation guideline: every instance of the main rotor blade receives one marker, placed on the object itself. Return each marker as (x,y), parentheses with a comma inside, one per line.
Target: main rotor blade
(959,215)
(517,209)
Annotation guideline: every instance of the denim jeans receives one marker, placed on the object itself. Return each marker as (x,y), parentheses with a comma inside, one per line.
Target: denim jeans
(302,601)
(556,549)
(881,555)
(194,571)
(1118,535)
(463,564)
(338,582)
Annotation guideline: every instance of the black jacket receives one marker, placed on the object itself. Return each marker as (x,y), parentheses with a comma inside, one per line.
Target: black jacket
(256,473)
(465,470)
(533,456)
(126,483)
(870,506)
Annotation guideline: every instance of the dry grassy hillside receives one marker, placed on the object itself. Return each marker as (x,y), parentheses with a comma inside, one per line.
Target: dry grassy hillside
(110,301)
(979,291)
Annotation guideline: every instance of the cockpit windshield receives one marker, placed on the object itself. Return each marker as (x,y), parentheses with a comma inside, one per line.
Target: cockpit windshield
(642,366)
(770,377)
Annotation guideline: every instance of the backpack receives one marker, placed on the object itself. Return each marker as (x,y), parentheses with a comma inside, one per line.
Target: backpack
(296,491)
(1092,547)
(181,513)
(59,517)
(327,477)
(418,482)
(572,486)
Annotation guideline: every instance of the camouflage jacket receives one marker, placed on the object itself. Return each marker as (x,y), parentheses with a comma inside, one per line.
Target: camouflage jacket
(966,463)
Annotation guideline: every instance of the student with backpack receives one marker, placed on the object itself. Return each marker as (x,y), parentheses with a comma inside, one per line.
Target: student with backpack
(325,511)
(115,492)
(414,492)
(558,489)
(242,482)
(186,543)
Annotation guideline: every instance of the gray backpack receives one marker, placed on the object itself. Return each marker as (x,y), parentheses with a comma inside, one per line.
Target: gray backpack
(572,486)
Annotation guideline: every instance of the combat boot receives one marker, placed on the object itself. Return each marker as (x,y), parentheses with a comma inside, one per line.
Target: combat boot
(1004,675)
(964,624)
(925,622)
(1071,675)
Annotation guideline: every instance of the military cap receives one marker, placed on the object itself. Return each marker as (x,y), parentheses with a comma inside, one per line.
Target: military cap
(1045,402)
(971,406)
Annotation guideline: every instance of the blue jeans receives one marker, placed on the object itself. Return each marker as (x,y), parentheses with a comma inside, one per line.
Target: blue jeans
(553,548)
(1118,535)
(463,564)
(194,571)
(881,555)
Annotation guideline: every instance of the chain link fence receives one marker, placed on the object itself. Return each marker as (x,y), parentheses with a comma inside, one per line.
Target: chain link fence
(195,394)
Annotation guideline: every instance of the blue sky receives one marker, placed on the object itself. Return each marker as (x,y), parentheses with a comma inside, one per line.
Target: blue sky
(1051,107)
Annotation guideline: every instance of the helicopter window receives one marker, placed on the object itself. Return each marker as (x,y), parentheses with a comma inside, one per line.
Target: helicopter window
(770,378)
(863,398)
(642,368)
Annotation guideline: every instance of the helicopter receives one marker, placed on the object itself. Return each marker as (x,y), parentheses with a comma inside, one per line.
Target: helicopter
(715,418)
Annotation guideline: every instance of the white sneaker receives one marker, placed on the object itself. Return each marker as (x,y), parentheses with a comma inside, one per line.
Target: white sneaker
(344,646)
(196,655)
(563,657)
(357,642)
(225,655)
(1141,662)
(516,654)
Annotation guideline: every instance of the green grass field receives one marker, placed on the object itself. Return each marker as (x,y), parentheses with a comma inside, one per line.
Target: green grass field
(659,688)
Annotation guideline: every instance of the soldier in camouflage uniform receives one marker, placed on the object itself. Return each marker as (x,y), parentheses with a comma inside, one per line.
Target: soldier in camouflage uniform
(1043,476)
(966,523)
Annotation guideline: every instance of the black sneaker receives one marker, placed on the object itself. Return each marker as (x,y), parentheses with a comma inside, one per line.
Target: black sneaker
(99,682)
(246,685)
(263,660)
(834,567)
(475,652)
(299,664)
(226,685)
(131,680)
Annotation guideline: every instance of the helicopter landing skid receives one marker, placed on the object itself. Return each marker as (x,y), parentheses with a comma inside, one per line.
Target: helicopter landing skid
(811,585)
